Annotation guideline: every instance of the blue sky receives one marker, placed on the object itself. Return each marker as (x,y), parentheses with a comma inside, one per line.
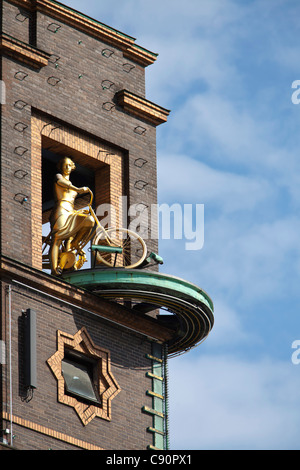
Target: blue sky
(232,142)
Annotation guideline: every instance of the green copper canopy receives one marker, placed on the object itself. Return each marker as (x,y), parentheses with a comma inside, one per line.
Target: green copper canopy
(191,307)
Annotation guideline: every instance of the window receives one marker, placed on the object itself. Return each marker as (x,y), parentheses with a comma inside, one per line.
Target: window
(84,378)
(79,374)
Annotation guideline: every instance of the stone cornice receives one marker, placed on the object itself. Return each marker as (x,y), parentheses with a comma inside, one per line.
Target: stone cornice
(23,52)
(92,27)
(142,108)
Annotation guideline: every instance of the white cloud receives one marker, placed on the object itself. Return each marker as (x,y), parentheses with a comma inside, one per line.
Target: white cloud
(163,18)
(256,263)
(209,125)
(223,402)
(243,262)
(228,329)
(192,40)
(182,178)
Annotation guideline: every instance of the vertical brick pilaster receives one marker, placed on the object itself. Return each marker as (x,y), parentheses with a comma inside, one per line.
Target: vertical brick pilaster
(36,198)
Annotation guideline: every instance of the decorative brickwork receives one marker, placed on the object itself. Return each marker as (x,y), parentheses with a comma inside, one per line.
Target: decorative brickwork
(106,162)
(60,436)
(107,385)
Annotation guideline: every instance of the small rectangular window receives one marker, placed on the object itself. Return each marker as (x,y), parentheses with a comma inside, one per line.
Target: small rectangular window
(79,380)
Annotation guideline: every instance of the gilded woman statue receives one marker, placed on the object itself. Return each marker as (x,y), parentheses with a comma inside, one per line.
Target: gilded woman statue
(74,228)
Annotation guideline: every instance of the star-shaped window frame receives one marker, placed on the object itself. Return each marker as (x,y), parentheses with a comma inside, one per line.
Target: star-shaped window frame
(106,384)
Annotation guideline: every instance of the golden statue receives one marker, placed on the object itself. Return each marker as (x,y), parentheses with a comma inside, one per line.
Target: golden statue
(70,229)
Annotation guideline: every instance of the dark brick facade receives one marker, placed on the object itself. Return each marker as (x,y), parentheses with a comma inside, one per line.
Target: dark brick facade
(127,428)
(68,70)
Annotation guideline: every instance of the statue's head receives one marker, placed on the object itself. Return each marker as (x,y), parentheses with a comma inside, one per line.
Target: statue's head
(66,165)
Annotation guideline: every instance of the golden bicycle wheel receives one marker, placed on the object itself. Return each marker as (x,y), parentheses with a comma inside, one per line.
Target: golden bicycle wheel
(134,249)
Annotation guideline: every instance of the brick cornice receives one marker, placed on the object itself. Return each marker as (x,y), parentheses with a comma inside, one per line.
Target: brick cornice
(23,3)
(140,55)
(92,27)
(86,24)
(23,52)
(142,108)
(11,270)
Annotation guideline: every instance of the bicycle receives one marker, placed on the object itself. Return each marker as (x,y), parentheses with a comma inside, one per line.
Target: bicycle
(112,247)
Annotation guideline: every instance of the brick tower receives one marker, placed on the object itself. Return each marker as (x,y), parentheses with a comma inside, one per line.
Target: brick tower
(72,86)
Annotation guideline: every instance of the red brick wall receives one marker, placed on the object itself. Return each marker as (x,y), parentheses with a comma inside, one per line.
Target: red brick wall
(83,99)
(127,428)
(76,89)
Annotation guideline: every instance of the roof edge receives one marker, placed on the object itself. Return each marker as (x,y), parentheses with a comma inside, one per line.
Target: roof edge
(92,27)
